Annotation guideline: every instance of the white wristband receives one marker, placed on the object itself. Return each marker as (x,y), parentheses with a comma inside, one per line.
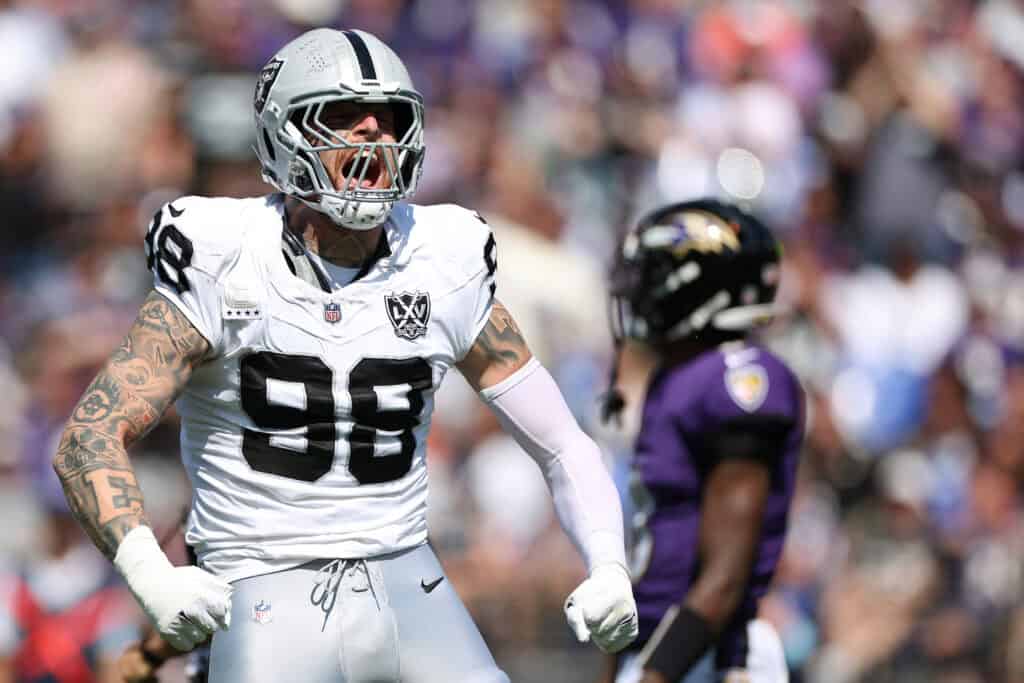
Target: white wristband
(185,604)
(139,552)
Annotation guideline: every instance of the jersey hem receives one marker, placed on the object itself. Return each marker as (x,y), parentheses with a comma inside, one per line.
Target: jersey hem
(247,568)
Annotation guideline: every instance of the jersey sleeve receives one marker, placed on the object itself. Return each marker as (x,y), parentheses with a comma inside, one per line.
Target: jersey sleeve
(187,255)
(478,260)
(751,409)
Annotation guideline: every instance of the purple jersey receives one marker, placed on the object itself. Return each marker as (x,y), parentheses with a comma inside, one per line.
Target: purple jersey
(735,400)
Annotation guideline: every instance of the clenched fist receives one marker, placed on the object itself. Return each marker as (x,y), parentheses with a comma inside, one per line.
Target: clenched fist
(602,609)
(185,604)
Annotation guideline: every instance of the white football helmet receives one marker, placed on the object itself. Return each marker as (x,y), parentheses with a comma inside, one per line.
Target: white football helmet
(318,68)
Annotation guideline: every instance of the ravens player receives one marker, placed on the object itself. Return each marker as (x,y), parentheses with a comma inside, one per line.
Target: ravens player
(716,455)
(303,335)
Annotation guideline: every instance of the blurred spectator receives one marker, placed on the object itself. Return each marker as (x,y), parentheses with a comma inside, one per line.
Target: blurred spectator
(64,614)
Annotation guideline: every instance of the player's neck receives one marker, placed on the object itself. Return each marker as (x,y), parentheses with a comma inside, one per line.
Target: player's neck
(340,246)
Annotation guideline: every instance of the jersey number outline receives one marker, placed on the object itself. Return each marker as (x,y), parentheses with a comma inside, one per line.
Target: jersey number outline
(490,259)
(169,264)
(313,410)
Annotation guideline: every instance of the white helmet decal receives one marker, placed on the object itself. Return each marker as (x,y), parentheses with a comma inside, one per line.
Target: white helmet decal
(319,68)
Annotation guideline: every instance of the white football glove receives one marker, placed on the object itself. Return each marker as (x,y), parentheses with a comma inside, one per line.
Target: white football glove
(602,609)
(185,604)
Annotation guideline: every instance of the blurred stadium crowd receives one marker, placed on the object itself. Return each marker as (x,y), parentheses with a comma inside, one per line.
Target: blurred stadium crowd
(883,140)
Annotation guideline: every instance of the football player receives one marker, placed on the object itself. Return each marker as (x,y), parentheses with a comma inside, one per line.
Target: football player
(716,455)
(303,335)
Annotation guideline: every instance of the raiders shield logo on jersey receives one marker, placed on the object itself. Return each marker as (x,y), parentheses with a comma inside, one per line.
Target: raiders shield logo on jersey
(264,82)
(409,313)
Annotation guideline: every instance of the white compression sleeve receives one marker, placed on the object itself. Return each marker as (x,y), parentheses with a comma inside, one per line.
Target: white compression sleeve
(530,407)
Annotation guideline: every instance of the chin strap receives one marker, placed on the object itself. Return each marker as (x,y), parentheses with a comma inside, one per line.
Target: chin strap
(305,268)
(299,263)
(613,401)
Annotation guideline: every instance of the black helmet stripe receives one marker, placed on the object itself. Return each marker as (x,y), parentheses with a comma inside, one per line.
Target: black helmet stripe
(363,55)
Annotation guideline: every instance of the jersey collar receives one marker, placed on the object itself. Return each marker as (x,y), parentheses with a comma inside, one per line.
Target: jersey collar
(293,248)
(383,251)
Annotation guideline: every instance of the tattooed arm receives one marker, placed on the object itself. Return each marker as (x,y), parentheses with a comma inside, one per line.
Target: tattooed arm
(137,384)
(125,400)
(498,351)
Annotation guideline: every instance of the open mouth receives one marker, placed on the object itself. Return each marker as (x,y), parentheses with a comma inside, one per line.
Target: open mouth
(362,170)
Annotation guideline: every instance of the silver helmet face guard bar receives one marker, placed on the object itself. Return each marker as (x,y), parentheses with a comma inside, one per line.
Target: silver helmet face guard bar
(716,314)
(306,171)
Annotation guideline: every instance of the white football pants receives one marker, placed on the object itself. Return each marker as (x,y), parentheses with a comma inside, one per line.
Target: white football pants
(381,620)
(766,662)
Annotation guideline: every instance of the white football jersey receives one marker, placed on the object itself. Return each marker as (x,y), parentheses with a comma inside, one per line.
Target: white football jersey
(305,434)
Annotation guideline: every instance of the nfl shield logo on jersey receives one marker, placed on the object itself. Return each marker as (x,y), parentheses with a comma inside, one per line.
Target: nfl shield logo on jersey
(261,612)
(409,313)
(332,312)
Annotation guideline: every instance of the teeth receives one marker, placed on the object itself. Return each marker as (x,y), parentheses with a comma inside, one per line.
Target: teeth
(361,159)
(363,168)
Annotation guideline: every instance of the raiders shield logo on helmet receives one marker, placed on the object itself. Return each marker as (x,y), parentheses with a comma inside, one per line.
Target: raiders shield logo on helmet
(264,82)
(409,313)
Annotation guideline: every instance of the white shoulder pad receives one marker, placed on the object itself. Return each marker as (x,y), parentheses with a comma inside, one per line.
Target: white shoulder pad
(463,238)
(462,241)
(200,233)
(190,245)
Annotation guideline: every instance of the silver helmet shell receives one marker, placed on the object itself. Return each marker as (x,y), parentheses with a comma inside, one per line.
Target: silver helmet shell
(316,69)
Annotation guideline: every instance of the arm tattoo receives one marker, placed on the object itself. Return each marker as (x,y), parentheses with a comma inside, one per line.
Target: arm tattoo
(500,341)
(130,493)
(125,400)
(499,350)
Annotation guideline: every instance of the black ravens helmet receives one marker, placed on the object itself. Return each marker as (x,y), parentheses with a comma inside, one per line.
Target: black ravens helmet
(693,269)
(703,270)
